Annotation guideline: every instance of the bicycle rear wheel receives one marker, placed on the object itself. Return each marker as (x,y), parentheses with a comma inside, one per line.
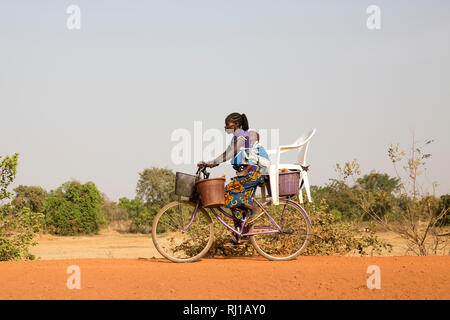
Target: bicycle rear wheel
(170,239)
(288,243)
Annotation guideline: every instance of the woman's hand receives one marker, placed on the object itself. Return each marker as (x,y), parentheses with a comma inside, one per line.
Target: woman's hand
(201,163)
(209,164)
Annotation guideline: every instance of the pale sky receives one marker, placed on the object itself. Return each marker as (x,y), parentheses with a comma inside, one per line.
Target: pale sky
(100,103)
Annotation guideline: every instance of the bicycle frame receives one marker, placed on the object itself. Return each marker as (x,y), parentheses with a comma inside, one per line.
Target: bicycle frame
(218,217)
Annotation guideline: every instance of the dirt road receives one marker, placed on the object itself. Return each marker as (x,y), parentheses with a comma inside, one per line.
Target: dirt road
(405,277)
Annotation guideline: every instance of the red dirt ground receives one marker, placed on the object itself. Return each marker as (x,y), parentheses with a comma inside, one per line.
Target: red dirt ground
(404,277)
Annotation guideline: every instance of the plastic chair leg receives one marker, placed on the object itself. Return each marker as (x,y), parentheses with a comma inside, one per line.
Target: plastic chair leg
(300,195)
(273,186)
(308,191)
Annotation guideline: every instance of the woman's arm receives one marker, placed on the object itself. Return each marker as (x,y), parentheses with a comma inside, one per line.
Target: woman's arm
(231,151)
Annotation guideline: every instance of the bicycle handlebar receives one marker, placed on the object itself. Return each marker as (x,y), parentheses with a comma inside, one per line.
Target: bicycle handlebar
(202,169)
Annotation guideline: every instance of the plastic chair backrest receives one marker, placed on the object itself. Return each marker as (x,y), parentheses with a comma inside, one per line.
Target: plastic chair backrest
(304,142)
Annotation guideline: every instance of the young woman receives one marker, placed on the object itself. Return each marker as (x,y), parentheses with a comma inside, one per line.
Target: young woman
(237,193)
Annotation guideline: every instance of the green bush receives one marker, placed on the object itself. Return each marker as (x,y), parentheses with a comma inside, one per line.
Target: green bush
(337,214)
(17,232)
(73,208)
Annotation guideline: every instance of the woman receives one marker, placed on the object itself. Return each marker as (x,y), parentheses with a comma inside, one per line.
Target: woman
(237,192)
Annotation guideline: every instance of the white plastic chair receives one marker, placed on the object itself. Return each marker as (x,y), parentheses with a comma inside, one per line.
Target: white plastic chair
(301,144)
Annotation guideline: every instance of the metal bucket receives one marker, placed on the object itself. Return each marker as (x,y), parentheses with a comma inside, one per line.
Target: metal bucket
(212,192)
(184,184)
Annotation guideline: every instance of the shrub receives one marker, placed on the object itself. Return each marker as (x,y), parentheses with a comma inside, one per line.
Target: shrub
(73,208)
(336,214)
(329,238)
(17,232)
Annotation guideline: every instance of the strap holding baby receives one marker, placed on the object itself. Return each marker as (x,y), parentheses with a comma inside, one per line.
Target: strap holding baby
(255,155)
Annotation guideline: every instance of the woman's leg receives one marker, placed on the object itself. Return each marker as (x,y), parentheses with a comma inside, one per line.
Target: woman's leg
(237,193)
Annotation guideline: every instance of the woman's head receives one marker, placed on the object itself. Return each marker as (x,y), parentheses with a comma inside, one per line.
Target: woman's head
(235,121)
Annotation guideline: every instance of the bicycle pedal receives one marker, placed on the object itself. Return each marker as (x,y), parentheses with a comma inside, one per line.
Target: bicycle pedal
(237,240)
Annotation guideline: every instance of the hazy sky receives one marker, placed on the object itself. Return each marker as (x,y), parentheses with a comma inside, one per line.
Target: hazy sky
(100,103)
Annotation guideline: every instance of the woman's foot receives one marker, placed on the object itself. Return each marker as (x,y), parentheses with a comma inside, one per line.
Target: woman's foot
(254,212)
(236,240)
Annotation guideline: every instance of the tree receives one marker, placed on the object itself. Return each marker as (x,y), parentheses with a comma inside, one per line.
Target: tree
(8,169)
(379,182)
(381,187)
(156,186)
(29,196)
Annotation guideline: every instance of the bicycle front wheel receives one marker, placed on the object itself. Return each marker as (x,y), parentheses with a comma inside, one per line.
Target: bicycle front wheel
(172,240)
(287,243)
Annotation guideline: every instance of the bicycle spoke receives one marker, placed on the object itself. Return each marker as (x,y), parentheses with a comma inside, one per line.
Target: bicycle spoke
(176,224)
(169,236)
(181,215)
(281,224)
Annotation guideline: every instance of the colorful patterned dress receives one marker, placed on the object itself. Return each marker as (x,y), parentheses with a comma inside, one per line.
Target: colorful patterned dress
(238,191)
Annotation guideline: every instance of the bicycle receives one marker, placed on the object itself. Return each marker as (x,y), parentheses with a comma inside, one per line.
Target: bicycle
(183,231)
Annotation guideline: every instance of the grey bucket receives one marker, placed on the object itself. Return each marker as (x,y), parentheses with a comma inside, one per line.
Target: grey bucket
(184,184)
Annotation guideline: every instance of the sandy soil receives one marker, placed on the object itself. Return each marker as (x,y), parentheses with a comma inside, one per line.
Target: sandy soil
(234,278)
(127,266)
(108,245)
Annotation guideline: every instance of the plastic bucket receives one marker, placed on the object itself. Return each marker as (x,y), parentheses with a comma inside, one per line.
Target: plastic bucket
(212,192)
(288,183)
(184,184)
